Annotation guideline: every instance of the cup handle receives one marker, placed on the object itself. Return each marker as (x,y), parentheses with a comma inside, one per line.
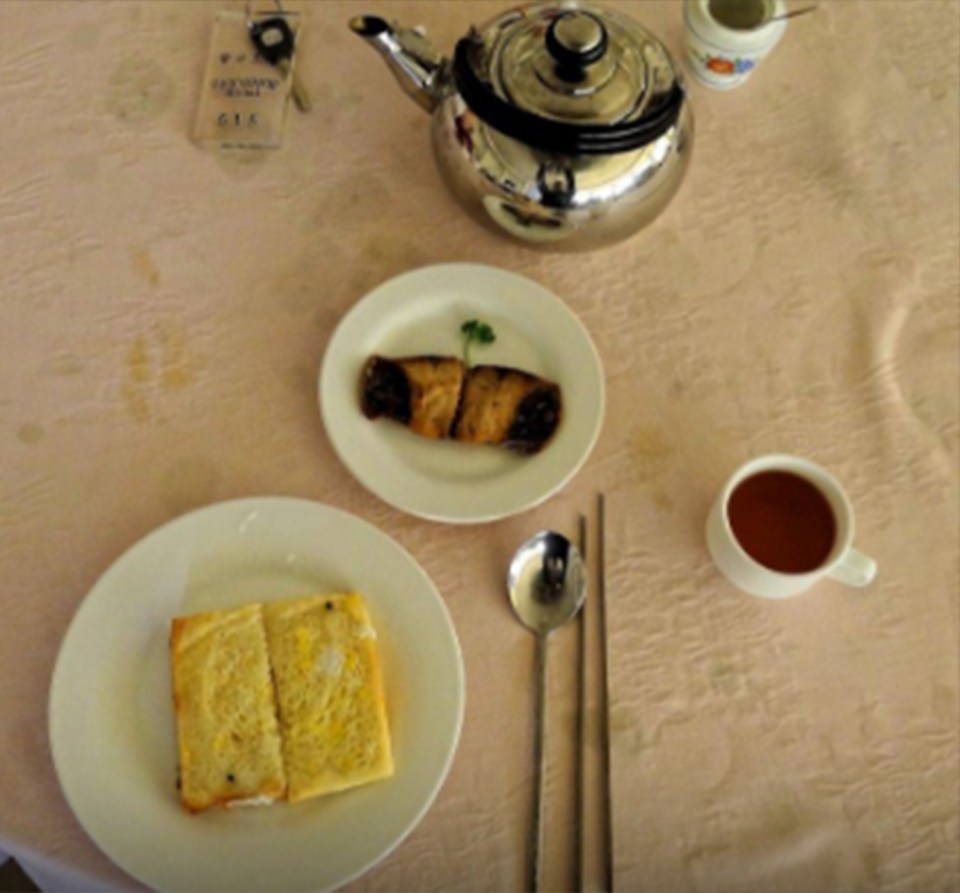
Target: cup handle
(854,569)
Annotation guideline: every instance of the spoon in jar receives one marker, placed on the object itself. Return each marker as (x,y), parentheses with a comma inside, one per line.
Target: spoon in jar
(547,586)
(791,15)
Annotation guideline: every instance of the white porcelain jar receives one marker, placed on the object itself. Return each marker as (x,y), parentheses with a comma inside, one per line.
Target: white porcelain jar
(727,39)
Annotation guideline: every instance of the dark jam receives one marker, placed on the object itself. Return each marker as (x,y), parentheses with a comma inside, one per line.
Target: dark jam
(385,391)
(535,420)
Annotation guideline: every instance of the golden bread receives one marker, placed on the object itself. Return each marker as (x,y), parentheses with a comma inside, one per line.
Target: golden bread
(329,693)
(228,736)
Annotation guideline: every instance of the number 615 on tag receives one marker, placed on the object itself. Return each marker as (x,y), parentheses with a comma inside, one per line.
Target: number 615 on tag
(238,119)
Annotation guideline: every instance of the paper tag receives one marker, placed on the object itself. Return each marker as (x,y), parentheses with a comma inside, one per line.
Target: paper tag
(243,102)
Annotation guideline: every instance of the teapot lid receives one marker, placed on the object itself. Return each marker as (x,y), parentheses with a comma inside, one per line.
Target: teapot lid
(569,79)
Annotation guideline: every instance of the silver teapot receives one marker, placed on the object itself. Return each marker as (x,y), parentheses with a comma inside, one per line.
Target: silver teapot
(563,125)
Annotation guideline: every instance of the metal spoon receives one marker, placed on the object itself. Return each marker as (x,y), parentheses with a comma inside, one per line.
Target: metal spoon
(547,586)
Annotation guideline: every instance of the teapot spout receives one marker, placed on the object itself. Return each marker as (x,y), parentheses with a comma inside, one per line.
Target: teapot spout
(421,71)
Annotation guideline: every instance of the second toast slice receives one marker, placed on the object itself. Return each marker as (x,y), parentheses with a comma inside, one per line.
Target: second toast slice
(329,694)
(228,738)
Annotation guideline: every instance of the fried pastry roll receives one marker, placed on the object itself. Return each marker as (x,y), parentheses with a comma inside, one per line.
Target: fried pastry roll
(508,407)
(422,393)
(439,397)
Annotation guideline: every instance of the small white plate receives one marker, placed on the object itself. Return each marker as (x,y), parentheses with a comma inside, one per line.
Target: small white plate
(421,312)
(112,727)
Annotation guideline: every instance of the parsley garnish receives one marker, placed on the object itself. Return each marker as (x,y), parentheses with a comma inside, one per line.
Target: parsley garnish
(474,330)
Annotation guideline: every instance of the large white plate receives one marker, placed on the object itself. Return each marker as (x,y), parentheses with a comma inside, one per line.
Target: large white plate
(421,312)
(111,716)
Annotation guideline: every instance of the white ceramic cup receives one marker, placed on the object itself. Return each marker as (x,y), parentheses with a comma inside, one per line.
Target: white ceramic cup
(722,56)
(844,563)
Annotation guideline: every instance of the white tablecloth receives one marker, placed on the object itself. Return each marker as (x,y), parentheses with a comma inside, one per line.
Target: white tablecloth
(163,314)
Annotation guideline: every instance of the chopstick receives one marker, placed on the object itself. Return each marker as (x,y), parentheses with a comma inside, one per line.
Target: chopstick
(606,799)
(579,789)
(605,693)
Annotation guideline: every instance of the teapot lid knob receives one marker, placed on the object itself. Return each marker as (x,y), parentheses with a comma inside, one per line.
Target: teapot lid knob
(576,40)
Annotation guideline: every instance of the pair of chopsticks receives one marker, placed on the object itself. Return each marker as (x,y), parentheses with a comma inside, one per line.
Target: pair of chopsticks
(605,792)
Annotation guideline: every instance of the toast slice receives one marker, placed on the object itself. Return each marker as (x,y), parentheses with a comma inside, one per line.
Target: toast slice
(330,694)
(227,732)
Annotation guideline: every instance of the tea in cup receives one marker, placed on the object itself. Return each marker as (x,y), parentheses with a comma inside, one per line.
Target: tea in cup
(780,525)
